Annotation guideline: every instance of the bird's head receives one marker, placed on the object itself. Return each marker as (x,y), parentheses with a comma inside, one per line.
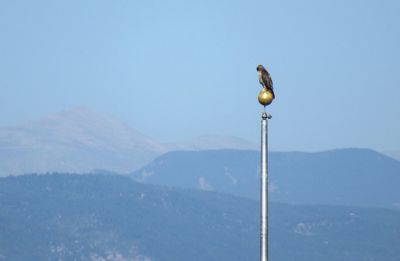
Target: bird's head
(260,68)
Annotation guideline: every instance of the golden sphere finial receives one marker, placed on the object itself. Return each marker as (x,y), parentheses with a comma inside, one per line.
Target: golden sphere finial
(265,97)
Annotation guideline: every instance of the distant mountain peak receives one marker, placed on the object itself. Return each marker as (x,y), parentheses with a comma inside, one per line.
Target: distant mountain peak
(76,140)
(81,140)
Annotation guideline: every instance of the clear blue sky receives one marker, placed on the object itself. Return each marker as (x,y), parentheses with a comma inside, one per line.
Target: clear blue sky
(178,69)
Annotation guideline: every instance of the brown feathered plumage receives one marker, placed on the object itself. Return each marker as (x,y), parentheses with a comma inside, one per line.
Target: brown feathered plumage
(265,79)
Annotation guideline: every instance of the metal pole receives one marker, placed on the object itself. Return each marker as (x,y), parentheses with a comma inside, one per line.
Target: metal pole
(264,187)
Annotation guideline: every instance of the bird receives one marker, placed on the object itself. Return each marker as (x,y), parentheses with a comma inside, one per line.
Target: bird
(265,79)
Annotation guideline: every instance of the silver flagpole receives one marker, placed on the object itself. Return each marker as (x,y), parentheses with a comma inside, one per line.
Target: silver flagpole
(265,98)
(264,186)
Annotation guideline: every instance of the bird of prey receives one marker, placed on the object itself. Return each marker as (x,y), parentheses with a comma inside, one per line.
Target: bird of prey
(265,79)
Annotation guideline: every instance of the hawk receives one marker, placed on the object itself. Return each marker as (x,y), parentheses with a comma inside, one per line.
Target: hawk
(265,79)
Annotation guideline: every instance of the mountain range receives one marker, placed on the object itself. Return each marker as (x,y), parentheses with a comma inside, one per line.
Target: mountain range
(109,217)
(355,177)
(189,200)
(80,140)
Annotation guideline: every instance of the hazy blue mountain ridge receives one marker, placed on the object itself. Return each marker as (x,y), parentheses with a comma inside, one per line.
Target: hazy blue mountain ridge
(358,177)
(108,217)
